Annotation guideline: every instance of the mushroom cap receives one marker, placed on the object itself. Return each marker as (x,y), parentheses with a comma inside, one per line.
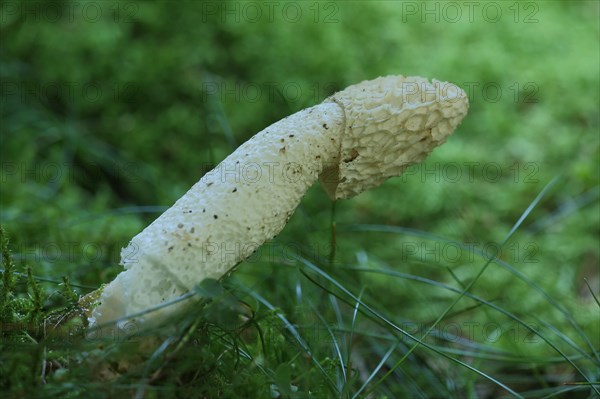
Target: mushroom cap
(391,123)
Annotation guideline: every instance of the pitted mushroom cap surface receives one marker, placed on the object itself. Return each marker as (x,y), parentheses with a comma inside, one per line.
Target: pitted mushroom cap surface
(391,122)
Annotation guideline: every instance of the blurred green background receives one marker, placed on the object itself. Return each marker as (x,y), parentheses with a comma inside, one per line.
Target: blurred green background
(112,110)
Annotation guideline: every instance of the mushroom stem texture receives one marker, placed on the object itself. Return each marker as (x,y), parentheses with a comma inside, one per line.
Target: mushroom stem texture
(353,141)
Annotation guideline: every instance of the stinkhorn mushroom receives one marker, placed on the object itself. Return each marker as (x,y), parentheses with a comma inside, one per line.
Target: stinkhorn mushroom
(354,140)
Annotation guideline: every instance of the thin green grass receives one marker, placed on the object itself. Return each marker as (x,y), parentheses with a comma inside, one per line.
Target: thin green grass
(332,364)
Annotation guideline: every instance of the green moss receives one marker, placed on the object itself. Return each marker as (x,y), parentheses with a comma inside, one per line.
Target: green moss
(81,175)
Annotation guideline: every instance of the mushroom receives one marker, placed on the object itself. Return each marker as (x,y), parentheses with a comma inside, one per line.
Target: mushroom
(353,141)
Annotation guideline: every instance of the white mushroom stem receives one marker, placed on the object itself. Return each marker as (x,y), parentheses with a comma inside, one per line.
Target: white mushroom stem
(353,141)
(246,200)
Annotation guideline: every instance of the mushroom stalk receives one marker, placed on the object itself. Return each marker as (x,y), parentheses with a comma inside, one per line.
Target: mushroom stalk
(246,200)
(354,140)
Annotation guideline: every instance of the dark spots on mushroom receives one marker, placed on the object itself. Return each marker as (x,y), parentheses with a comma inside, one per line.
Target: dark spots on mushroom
(291,135)
(215,216)
(192,230)
(318,157)
(234,190)
(332,139)
(203,210)
(248,228)
(325,126)
(352,157)
(209,184)
(282,150)
(170,248)
(189,244)
(180,225)
(282,140)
